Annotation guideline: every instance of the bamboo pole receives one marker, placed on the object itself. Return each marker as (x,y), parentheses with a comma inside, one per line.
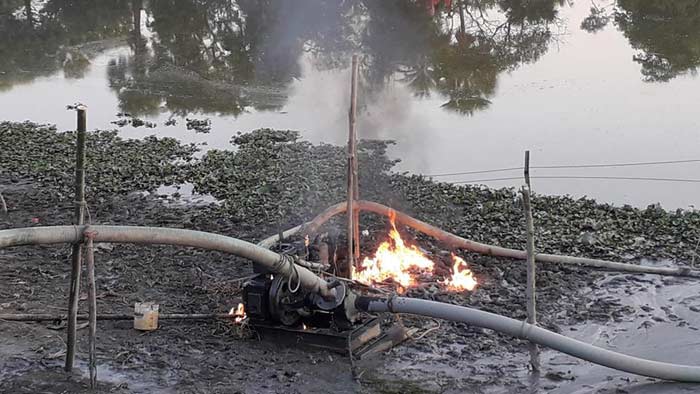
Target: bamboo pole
(356,217)
(3,205)
(92,305)
(526,169)
(356,172)
(530,291)
(352,171)
(76,257)
(460,9)
(37,317)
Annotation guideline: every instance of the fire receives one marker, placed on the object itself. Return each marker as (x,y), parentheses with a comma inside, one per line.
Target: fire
(403,263)
(393,259)
(239,313)
(462,278)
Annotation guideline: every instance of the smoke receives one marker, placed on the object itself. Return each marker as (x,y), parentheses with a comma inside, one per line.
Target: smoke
(287,27)
(392,114)
(313,41)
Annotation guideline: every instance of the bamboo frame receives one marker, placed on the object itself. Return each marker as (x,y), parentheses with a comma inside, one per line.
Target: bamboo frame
(531,289)
(353,188)
(77,251)
(92,305)
(37,317)
(3,205)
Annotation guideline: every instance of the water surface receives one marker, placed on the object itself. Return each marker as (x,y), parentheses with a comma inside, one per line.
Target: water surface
(573,82)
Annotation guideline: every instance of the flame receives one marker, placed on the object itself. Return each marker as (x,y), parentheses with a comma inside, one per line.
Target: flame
(394,260)
(462,279)
(303,326)
(239,313)
(403,264)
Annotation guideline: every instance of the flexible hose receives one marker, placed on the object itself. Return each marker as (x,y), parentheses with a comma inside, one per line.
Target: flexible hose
(274,262)
(456,241)
(523,330)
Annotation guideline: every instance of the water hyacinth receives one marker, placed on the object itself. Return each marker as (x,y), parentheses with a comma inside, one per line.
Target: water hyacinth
(272,178)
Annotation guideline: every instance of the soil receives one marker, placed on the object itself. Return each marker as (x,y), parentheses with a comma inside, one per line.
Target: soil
(608,309)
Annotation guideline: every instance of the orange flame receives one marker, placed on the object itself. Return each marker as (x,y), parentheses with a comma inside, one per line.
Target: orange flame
(403,264)
(239,313)
(462,279)
(393,259)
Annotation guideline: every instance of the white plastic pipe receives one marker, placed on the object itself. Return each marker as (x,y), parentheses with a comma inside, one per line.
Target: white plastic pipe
(456,241)
(523,330)
(168,236)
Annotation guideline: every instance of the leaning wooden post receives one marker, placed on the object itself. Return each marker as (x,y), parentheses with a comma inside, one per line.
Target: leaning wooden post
(352,173)
(76,257)
(92,304)
(530,249)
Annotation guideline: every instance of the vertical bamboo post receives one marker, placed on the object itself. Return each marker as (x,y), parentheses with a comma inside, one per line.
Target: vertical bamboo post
(76,257)
(352,172)
(3,205)
(356,164)
(462,25)
(530,248)
(92,305)
(526,169)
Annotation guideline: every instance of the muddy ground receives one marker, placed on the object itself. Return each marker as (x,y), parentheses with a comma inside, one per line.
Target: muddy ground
(642,315)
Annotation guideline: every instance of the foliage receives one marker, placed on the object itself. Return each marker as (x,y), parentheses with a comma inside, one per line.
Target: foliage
(274,177)
(114,165)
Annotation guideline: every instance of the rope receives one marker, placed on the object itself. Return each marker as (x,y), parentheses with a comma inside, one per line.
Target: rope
(428,331)
(293,270)
(287,262)
(84,204)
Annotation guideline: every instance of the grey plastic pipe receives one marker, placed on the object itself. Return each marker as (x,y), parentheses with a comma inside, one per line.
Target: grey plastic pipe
(168,236)
(523,330)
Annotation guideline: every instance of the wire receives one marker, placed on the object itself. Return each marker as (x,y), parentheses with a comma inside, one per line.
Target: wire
(648,163)
(585,177)
(428,331)
(477,172)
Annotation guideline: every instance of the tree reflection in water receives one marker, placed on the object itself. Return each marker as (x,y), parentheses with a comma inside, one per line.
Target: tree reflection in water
(223,56)
(666,34)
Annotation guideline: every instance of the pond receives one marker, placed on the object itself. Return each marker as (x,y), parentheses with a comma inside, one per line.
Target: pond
(462,86)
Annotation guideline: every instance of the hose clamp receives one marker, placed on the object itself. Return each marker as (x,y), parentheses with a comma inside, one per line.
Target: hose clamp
(390,303)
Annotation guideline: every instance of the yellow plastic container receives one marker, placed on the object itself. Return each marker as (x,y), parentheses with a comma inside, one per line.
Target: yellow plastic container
(146,316)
